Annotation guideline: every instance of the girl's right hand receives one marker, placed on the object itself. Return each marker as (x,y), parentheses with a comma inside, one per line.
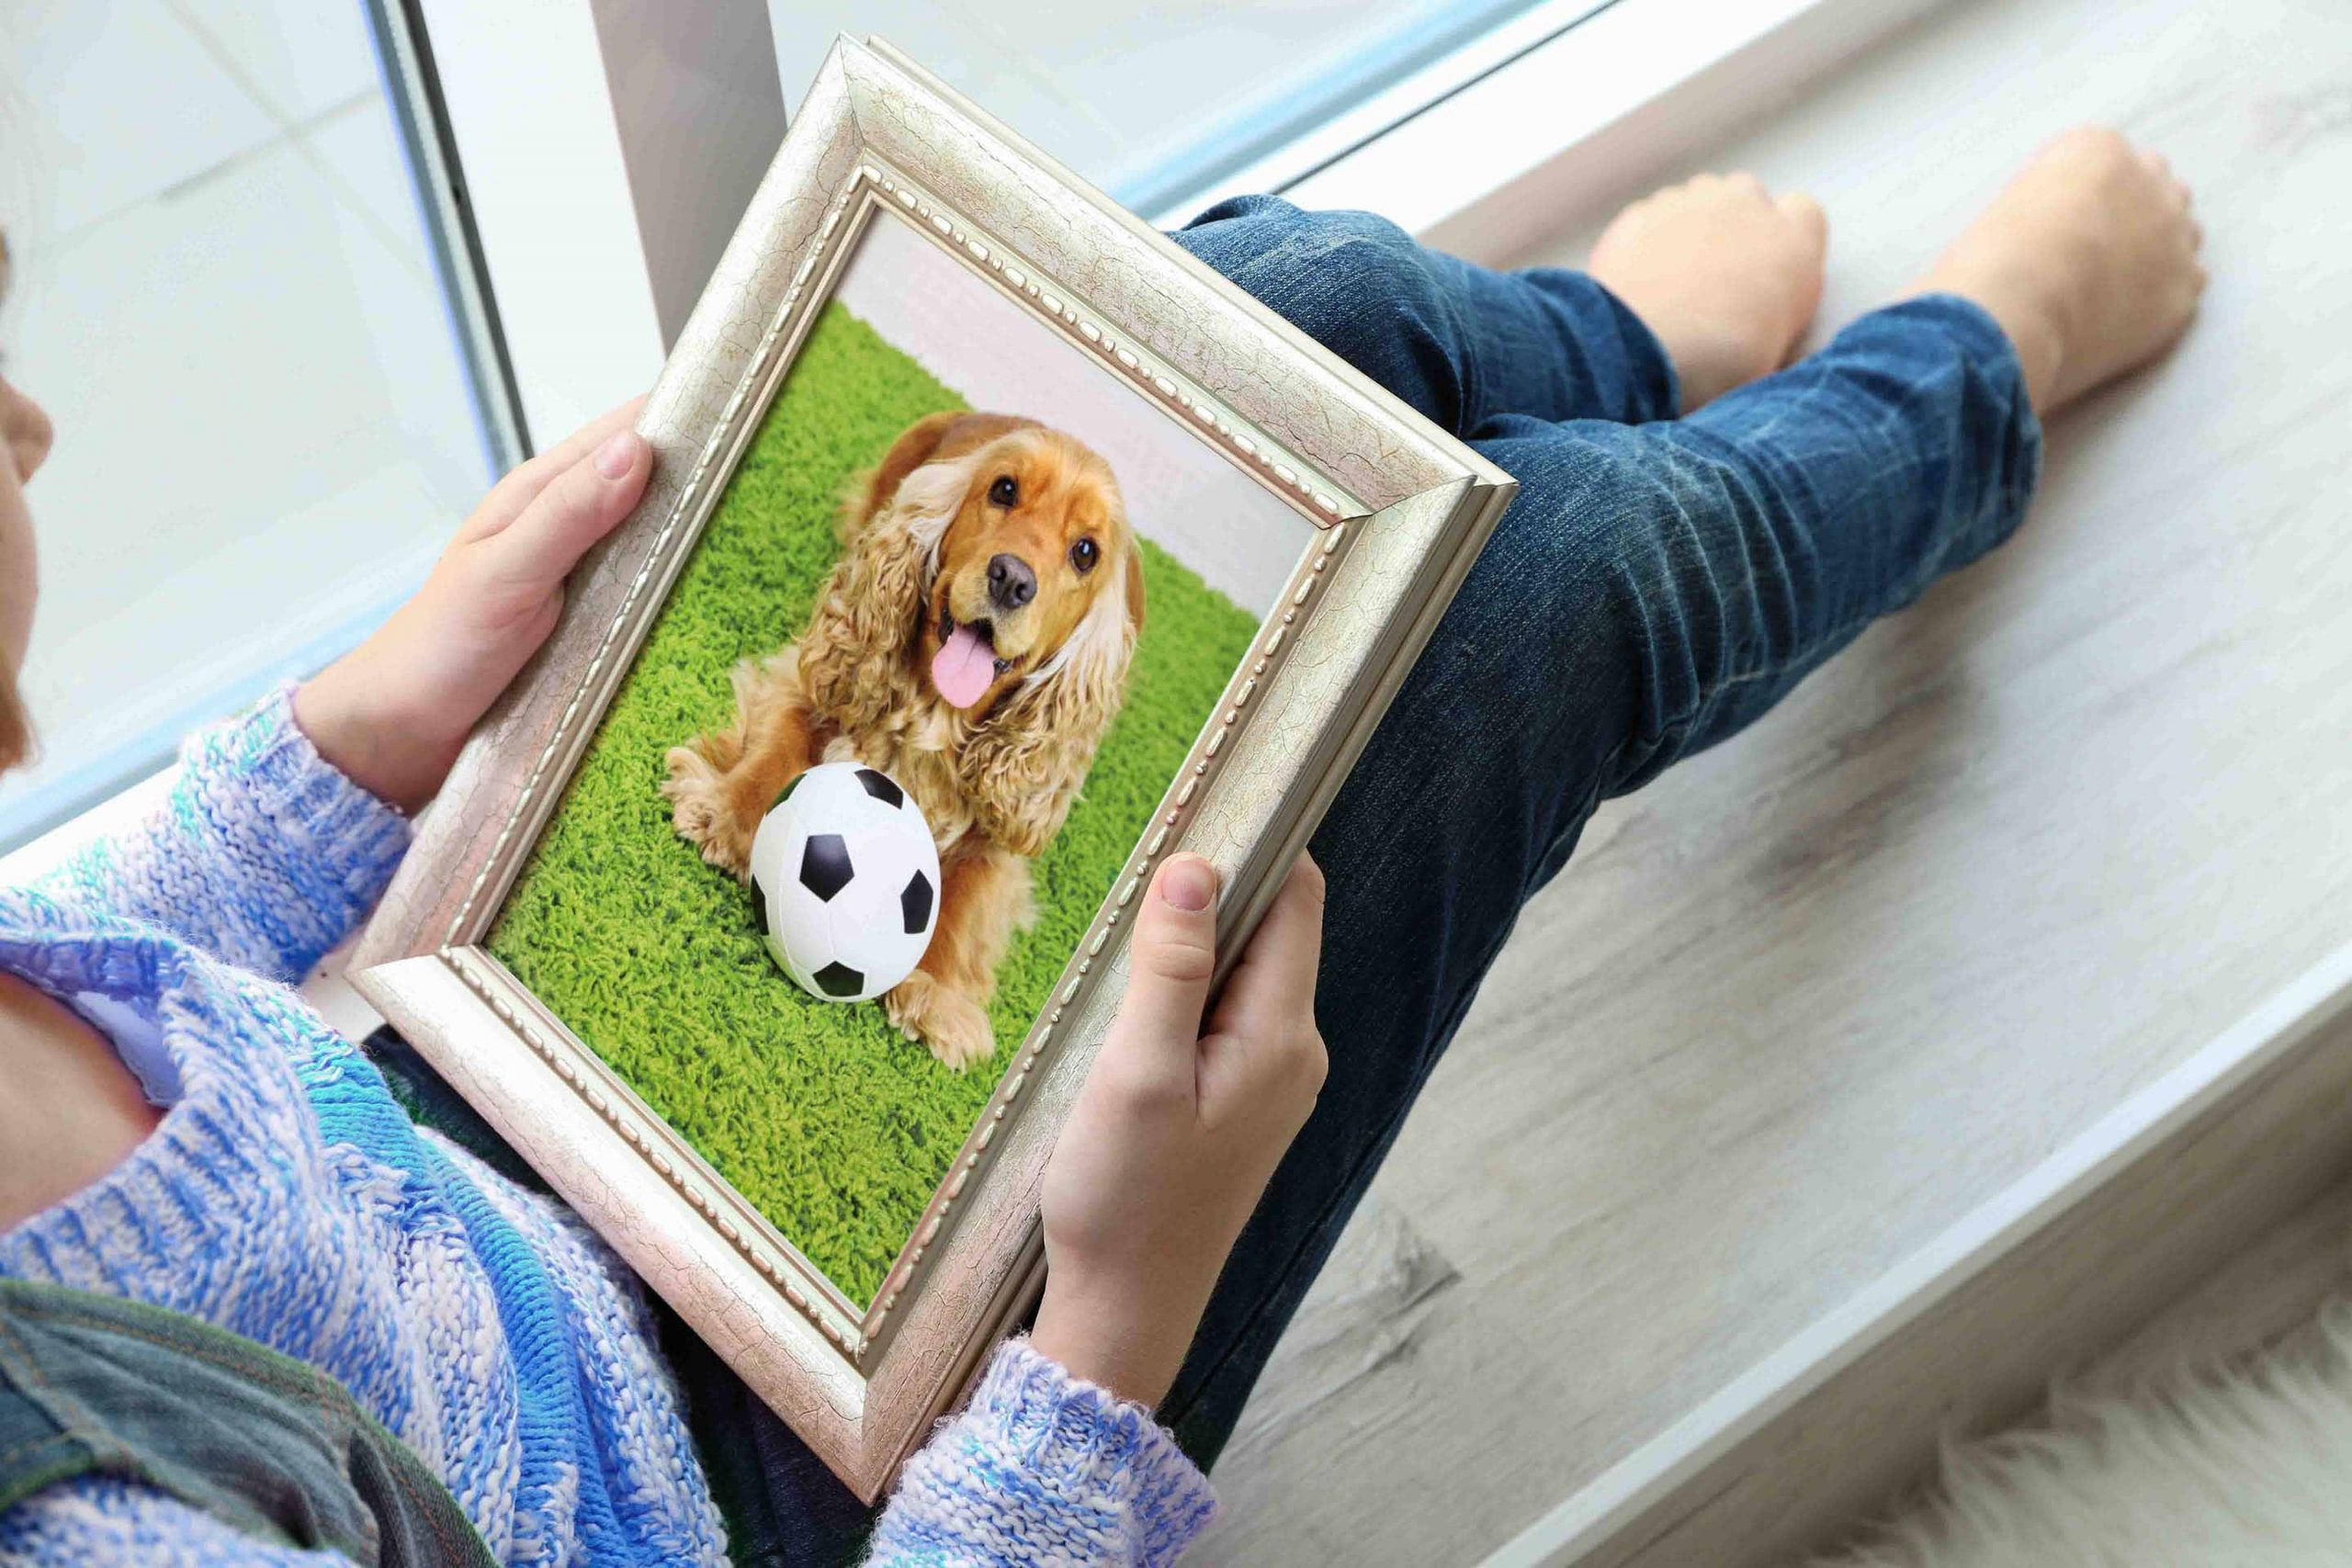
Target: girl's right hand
(1178,1128)
(394,713)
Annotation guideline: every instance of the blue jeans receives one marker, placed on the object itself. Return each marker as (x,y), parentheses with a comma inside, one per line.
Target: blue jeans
(1657,585)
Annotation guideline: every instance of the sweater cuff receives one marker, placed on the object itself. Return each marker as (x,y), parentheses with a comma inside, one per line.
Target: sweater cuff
(1041,1466)
(1069,1420)
(333,841)
(1081,1436)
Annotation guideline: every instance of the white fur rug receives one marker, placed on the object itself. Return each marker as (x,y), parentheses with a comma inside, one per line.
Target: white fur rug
(2247,1470)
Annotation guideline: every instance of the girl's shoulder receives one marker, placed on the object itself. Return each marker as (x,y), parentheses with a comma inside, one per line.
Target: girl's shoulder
(178,1015)
(244,1073)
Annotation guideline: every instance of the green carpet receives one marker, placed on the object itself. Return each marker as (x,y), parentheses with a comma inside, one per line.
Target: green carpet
(822,1116)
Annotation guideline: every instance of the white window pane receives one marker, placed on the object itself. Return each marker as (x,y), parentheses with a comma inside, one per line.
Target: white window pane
(1150,101)
(225,300)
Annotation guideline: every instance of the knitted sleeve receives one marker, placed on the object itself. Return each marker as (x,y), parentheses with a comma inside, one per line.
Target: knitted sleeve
(263,855)
(1041,1468)
(99,1518)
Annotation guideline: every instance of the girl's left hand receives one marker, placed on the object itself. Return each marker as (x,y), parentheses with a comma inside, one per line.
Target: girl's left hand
(1178,1130)
(394,713)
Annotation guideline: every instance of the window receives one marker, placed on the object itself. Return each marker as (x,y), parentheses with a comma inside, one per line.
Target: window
(225,297)
(1157,103)
(283,364)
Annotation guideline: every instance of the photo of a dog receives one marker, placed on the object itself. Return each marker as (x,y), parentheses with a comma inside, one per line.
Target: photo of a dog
(928,556)
(972,642)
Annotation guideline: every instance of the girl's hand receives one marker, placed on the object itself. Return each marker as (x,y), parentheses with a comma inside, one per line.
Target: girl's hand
(1178,1130)
(393,712)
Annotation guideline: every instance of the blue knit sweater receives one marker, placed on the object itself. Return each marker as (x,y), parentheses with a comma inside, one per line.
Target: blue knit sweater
(286,1197)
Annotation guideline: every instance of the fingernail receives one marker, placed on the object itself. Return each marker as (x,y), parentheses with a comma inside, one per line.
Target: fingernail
(619,450)
(1189,882)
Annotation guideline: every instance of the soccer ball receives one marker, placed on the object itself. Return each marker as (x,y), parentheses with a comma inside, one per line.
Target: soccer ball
(845,882)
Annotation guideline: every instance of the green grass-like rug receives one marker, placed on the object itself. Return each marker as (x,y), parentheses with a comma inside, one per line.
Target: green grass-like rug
(823,1117)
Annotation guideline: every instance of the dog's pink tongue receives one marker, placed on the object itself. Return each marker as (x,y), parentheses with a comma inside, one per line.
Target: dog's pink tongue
(964,667)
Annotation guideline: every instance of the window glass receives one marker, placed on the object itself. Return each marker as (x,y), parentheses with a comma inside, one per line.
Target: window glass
(225,298)
(1150,102)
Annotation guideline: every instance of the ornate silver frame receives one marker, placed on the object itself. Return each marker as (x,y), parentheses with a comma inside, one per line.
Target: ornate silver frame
(1400,509)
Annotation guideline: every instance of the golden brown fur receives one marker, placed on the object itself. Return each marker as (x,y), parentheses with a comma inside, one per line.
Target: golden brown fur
(995,779)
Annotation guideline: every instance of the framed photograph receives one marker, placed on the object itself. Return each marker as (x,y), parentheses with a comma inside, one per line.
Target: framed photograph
(995,550)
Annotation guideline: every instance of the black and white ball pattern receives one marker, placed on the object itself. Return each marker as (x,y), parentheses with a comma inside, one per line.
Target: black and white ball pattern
(845,882)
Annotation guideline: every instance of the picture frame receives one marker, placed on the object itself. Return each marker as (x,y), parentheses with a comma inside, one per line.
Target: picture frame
(1394,511)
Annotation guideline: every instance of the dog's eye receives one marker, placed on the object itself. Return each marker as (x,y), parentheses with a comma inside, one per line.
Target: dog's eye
(1083,555)
(1004,493)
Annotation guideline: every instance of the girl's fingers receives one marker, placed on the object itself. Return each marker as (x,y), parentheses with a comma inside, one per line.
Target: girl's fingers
(528,481)
(1170,961)
(589,436)
(578,506)
(1270,993)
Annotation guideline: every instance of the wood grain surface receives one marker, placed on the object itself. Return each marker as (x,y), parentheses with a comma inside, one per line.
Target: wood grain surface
(1798,1007)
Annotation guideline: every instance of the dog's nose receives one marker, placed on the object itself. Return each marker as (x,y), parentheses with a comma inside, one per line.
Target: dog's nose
(1011,583)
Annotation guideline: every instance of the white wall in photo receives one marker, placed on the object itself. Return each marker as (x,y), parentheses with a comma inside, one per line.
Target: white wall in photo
(1182,494)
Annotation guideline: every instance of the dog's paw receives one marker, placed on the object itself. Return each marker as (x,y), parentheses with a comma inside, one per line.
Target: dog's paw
(702,812)
(952,1025)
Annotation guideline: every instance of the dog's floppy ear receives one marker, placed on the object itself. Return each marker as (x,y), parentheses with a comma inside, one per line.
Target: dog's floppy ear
(948,434)
(869,499)
(852,660)
(1024,767)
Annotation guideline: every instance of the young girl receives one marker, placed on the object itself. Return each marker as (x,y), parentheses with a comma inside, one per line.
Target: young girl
(1694,533)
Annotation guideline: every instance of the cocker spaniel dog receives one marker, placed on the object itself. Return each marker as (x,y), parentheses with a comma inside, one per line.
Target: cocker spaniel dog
(972,642)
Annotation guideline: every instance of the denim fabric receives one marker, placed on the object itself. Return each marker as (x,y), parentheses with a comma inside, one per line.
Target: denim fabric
(1656,586)
(274,1449)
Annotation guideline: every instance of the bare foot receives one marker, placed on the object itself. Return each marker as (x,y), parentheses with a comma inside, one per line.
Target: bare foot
(2088,261)
(1726,275)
